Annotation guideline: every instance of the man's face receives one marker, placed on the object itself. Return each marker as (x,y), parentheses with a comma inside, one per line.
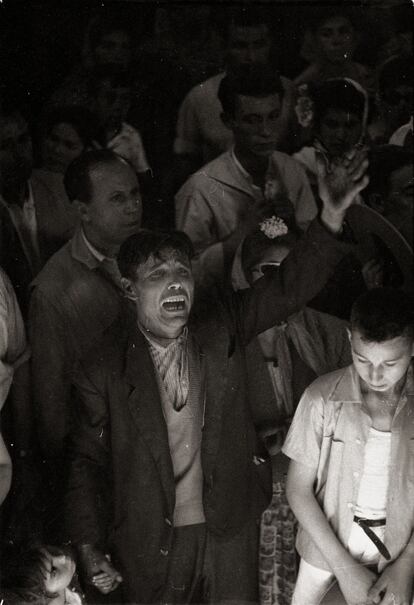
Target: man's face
(335,38)
(339,131)
(381,365)
(115,209)
(16,157)
(248,45)
(114,49)
(164,293)
(399,205)
(59,571)
(256,124)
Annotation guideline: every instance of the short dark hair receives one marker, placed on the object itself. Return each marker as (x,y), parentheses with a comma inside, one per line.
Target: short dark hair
(137,249)
(383,314)
(340,94)
(226,17)
(81,119)
(25,575)
(77,179)
(318,15)
(252,82)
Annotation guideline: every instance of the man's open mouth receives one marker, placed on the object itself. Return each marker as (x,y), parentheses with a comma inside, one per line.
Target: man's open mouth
(174,303)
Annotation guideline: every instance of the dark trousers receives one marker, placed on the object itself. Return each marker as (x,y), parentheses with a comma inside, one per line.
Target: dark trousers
(205,568)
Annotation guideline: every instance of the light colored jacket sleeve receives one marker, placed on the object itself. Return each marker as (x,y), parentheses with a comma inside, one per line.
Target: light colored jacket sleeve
(188,138)
(299,192)
(194,216)
(13,345)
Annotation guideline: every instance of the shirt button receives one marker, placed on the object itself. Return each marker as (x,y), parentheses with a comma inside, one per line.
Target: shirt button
(350,505)
(164,552)
(358,441)
(356,474)
(168,522)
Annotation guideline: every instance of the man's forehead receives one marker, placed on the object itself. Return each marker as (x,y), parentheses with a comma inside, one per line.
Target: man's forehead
(106,171)
(247,104)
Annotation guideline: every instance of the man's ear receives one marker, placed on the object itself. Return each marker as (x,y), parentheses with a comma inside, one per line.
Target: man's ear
(128,289)
(82,210)
(349,334)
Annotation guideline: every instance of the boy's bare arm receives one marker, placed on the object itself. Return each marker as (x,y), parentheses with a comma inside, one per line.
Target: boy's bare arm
(396,583)
(353,579)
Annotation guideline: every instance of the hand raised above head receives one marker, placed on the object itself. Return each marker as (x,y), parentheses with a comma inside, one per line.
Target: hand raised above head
(339,182)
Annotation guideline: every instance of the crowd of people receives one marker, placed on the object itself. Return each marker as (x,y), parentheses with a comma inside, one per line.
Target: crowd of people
(206,320)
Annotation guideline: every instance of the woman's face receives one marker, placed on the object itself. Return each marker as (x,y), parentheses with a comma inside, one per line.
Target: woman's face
(335,38)
(339,131)
(62,145)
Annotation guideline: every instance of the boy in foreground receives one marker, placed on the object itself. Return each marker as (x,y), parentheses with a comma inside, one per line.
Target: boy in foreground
(351,476)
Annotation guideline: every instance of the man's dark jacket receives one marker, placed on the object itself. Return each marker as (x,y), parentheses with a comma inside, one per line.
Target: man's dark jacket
(121,487)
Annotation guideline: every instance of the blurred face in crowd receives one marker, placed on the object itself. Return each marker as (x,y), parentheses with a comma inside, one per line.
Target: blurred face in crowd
(163,292)
(115,208)
(335,39)
(396,105)
(339,131)
(381,365)
(112,104)
(62,145)
(114,48)
(399,205)
(256,124)
(248,45)
(16,155)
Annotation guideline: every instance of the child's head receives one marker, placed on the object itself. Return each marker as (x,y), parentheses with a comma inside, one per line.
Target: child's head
(382,338)
(39,574)
(261,253)
(340,109)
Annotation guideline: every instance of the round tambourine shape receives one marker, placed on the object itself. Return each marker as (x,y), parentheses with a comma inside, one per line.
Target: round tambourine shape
(377,238)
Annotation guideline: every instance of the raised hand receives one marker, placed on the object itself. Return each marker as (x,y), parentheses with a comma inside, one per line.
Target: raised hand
(339,182)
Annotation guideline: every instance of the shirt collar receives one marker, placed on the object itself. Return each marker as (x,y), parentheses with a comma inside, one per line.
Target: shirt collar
(98,255)
(180,340)
(82,250)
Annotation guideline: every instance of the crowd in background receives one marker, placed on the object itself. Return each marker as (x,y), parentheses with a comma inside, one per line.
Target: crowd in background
(223,122)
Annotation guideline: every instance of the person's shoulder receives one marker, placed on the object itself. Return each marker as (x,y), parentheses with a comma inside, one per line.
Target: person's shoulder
(213,170)
(325,386)
(209,86)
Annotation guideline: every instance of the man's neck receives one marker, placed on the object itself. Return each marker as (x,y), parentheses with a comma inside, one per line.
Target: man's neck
(256,166)
(163,341)
(108,250)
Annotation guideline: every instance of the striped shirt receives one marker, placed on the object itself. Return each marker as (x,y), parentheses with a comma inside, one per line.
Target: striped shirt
(171,363)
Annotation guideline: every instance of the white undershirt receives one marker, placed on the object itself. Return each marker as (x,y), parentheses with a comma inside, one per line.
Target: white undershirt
(372,496)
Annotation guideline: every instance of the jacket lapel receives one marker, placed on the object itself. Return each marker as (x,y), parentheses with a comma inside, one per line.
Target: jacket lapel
(144,404)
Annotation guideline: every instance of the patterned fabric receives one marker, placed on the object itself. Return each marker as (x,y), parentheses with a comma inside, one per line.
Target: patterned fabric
(171,363)
(277,555)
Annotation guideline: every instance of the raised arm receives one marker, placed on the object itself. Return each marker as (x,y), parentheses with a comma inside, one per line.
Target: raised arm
(306,269)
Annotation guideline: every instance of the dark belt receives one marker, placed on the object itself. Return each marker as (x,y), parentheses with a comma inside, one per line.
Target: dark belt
(365,525)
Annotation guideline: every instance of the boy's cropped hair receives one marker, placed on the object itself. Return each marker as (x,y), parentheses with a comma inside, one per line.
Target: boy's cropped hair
(383,314)
(137,249)
(257,81)
(338,94)
(77,177)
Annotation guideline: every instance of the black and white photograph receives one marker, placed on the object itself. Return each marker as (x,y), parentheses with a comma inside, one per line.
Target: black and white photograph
(206,302)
